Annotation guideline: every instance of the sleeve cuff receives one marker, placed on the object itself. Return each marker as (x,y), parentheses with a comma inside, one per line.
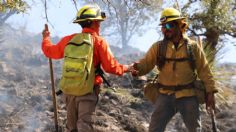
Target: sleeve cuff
(125,68)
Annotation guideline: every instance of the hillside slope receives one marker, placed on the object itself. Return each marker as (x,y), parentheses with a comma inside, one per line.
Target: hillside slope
(26,102)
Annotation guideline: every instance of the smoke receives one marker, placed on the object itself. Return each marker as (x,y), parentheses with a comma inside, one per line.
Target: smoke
(3,98)
(24,113)
(232,81)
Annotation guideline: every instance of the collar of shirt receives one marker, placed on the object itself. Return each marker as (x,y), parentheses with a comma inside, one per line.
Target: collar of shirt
(172,45)
(89,30)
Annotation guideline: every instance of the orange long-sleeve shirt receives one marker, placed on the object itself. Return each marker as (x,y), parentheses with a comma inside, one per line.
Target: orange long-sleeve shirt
(102,52)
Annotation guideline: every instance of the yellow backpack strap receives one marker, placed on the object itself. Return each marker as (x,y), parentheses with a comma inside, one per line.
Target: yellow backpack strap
(76,44)
(80,39)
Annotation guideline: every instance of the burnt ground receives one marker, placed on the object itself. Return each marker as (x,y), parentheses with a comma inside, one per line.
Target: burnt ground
(26,107)
(26,102)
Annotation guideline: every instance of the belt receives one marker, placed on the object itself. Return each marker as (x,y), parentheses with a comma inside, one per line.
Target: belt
(176,87)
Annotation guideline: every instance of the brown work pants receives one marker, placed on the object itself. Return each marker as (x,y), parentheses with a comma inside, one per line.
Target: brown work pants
(80,112)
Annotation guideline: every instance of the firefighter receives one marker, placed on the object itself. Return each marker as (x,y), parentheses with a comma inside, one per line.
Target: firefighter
(81,99)
(177,74)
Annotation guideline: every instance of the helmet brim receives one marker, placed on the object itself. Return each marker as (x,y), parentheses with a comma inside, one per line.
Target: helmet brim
(91,19)
(172,19)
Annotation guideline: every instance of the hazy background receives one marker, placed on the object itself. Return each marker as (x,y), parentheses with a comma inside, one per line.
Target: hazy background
(62,13)
(25,89)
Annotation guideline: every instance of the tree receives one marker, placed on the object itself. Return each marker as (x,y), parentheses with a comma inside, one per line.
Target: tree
(127,18)
(213,19)
(1,36)
(10,7)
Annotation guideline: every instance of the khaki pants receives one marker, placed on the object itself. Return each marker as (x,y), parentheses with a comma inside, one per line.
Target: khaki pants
(80,112)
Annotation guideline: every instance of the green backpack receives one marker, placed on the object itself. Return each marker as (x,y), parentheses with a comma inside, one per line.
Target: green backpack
(78,71)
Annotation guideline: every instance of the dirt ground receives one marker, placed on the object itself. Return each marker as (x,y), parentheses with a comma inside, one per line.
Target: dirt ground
(26,103)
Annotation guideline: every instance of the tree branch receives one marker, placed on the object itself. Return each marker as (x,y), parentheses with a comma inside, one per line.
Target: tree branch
(75,4)
(193,32)
(134,26)
(233,33)
(45,10)
(4,17)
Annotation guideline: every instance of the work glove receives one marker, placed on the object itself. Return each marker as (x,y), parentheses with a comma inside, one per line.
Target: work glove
(97,84)
(210,102)
(98,80)
(45,32)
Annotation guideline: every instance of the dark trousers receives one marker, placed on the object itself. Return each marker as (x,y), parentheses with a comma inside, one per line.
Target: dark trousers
(167,106)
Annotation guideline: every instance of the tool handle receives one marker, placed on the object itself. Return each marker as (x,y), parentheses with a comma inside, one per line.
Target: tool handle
(53,95)
(46,27)
(214,128)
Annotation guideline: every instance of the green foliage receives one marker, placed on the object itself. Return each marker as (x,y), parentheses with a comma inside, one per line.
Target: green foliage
(211,19)
(211,54)
(17,5)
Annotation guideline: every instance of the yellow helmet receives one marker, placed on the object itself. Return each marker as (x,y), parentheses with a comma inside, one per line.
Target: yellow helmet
(90,12)
(170,14)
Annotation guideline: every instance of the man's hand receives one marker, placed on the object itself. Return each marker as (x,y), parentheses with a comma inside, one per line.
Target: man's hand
(130,68)
(210,102)
(46,32)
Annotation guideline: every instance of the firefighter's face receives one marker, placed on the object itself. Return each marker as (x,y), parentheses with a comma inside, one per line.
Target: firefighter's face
(96,25)
(170,30)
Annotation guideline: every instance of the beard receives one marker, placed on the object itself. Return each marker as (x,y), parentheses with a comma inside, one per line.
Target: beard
(169,36)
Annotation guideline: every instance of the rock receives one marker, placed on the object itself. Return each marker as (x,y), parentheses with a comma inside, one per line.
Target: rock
(114,102)
(49,113)
(113,112)
(126,111)
(223,114)
(105,99)
(101,122)
(137,93)
(25,93)
(232,130)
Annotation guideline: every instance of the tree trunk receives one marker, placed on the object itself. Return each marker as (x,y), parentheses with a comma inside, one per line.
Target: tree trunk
(5,16)
(123,34)
(124,41)
(212,38)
